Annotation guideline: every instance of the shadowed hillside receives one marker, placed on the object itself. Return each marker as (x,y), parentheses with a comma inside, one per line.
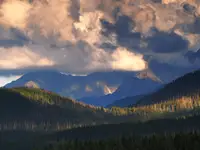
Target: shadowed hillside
(39,109)
(185,86)
(92,85)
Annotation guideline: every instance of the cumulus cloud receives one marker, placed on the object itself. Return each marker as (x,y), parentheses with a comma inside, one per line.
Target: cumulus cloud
(21,57)
(14,13)
(83,57)
(6,79)
(64,34)
(87,35)
(120,59)
(162,42)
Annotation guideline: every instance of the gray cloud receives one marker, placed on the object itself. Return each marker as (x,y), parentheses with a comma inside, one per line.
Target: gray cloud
(163,42)
(88,36)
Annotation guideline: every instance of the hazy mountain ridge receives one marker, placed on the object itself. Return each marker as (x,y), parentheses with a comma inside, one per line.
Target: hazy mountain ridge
(91,88)
(95,84)
(141,83)
(126,101)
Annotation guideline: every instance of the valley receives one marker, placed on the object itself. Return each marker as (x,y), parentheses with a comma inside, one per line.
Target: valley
(35,113)
(99,75)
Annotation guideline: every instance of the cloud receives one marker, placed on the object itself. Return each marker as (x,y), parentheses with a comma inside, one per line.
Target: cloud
(83,57)
(7,79)
(126,60)
(163,42)
(14,13)
(64,35)
(87,36)
(21,57)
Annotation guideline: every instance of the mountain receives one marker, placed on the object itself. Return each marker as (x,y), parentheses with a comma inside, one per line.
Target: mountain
(125,101)
(38,109)
(185,86)
(167,72)
(131,86)
(92,85)
(193,56)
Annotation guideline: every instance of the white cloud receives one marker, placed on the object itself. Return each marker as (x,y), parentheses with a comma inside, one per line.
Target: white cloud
(14,13)
(122,59)
(21,57)
(7,79)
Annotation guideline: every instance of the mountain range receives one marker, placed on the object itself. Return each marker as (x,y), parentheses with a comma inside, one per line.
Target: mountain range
(33,110)
(132,86)
(100,88)
(95,84)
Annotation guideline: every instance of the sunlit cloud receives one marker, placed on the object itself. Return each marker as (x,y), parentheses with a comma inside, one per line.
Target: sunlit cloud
(14,13)
(21,57)
(67,35)
(7,79)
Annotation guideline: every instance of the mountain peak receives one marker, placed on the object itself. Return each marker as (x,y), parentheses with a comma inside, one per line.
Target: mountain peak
(31,84)
(148,74)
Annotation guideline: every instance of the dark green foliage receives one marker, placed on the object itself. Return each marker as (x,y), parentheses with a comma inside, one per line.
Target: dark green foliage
(179,141)
(23,108)
(33,109)
(27,140)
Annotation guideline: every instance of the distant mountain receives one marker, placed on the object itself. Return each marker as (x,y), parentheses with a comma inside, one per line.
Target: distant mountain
(125,102)
(99,88)
(168,72)
(92,85)
(193,56)
(187,85)
(36,108)
(132,86)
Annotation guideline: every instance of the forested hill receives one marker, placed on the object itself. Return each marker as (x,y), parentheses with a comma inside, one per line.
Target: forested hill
(36,108)
(185,86)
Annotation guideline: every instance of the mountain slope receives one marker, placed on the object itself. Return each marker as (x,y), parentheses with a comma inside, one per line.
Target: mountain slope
(93,85)
(187,85)
(131,86)
(125,101)
(36,108)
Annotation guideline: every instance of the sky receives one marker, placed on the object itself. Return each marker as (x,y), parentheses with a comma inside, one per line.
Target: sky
(7,79)
(83,36)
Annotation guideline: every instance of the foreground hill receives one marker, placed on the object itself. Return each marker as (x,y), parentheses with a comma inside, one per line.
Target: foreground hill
(28,140)
(187,86)
(39,109)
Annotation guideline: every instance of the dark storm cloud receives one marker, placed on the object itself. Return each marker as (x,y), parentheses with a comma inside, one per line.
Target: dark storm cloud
(193,27)
(10,43)
(123,28)
(163,42)
(188,8)
(17,34)
(159,41)
(12,37)
(108,46)
(157,1)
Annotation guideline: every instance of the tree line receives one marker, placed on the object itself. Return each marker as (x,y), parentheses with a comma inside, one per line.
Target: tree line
(173,141)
